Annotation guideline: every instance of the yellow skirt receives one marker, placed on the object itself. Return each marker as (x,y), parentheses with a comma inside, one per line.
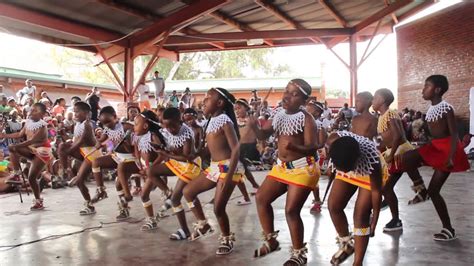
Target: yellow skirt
(396,165)
(303,172)
(90,153)
(219,170)
(184,170)
(362,181)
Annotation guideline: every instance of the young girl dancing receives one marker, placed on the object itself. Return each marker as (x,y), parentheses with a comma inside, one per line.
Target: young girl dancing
(444,153)
(177,159)
(147,135)
(225,170)
(36,148)
(296,171)
(358,165)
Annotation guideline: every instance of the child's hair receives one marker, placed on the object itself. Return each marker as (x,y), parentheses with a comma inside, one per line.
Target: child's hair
(83,106)
(190,111)
(366,95)
(343,160)
(75,98)
(439,81)
(108,110)
(243,102)
(303,85)
(228,109)
(172,113)
(387,95)
(58,101)
(316,104)
(152,119)
(41,106)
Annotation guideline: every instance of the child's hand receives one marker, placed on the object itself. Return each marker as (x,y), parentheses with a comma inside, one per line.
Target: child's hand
(252,121)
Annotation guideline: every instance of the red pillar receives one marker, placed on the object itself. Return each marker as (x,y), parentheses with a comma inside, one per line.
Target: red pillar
(128,75)
(353,68)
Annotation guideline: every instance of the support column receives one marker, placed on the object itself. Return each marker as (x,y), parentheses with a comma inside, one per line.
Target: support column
(353,68)
(128,75)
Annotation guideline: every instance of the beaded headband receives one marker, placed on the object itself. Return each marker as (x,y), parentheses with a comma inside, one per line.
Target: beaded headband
(299,87)
(149,120)
(243,103)
(316,104)
(223,95)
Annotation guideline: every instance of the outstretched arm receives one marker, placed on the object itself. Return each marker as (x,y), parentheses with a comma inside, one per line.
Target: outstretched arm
(39,137)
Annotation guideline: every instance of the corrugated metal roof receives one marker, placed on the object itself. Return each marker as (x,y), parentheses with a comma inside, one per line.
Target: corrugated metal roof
(126,16)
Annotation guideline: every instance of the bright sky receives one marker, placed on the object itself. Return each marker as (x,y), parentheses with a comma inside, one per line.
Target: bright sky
(378,71)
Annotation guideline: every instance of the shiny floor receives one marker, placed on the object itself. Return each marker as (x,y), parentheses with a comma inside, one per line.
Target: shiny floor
(124,243)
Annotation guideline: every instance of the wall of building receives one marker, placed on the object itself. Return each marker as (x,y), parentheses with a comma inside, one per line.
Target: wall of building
(442,43)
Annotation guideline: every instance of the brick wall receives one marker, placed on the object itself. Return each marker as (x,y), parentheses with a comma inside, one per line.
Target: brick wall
(442,43)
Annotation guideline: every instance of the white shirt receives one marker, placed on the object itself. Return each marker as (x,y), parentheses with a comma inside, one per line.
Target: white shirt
(159,86)
(24,93)
(143,91)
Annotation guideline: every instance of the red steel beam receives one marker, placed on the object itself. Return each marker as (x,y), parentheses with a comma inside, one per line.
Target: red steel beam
(114,73)
(394,17)
(188,14)
(333,12)
(143,14)
(58,24)
(381,14)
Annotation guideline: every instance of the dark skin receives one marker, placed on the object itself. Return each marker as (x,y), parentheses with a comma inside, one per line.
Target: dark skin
(367,201)
(392,138)
(87,139)
(364,124)
(290,148)
(190,120)
(247,135)
(33,139)
(107,161)
(222,145)
(322,138)
(141,127)
(184,154)
(442,128)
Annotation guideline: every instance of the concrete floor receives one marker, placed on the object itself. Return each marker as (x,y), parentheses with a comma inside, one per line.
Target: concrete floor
(124,243)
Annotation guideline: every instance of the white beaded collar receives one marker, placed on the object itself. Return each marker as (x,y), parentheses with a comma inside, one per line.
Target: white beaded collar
(217,123)
(437,111)
(177,141)
(143,142)
(286,124)
(79,129)
(115,135)
(369,155)
(31,125)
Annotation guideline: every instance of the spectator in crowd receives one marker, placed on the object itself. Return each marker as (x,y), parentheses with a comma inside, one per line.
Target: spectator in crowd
(265,110)
(45,97)
(93,99)
(143,95)
(255,101)
(4,107)
(159,83)
(187,98)
(27,107)
(348,113)
(28,91)
(173,100)
(59,107)
(327,112)
(74,100)
(12,103)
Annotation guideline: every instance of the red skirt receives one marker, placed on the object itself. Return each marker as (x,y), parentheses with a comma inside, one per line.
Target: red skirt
(436,153)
